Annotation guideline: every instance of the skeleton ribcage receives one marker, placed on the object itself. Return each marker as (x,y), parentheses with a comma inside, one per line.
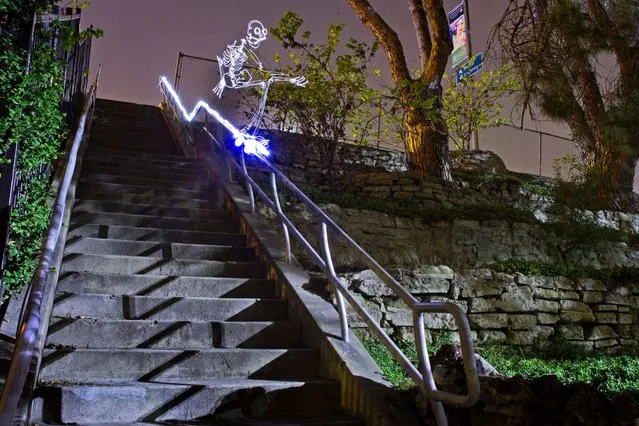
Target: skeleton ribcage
(234,59)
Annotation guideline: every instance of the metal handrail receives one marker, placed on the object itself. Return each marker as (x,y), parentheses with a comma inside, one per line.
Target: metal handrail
(424,378)
(30,322)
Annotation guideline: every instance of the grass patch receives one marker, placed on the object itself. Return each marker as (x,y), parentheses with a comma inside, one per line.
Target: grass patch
(391,368)
(611,375)
(537,188)
(619,276)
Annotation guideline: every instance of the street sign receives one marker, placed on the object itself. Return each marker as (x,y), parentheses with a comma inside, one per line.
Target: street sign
(471,68)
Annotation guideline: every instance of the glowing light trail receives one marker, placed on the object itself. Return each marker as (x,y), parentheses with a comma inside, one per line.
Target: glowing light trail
(252,144)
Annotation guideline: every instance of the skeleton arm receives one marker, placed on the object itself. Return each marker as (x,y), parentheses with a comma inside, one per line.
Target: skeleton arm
(251,54)
(278,76)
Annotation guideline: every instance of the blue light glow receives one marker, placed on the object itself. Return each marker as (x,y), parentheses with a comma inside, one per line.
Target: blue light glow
(252,144)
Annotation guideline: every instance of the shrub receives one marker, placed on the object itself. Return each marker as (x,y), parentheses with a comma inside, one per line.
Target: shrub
(30,117)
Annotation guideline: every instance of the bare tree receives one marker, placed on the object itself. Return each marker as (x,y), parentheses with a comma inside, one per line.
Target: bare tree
(426,133)
(556,46)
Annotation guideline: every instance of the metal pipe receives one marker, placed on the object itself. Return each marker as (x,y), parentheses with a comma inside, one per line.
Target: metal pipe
(178,69)
(276,199)
(397,353)
(249,188)
(31,43)
(466,342)
(343,317)
(428,383)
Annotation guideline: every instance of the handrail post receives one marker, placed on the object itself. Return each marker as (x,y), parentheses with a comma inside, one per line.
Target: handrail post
(249,188)
(428,382)
(229,167)
(341,307)
(276,199)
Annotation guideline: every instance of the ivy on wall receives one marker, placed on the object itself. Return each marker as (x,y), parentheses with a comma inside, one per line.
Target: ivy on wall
(30,116)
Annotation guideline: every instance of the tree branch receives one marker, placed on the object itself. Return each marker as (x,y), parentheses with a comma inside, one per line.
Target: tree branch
(442,45)
(625,50)
(387,38)
(420,21)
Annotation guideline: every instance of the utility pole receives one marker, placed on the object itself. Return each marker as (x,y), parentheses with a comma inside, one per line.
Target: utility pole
(474,139)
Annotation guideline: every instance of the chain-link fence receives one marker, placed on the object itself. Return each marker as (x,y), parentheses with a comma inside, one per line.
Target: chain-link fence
(195,78)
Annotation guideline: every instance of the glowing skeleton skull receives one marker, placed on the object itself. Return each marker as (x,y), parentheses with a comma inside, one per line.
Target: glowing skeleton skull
(256,33)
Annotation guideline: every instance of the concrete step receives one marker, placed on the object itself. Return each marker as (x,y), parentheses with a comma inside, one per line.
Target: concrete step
(199,403)
(129,334)
(166,286)
(99,151)
(128,162)
(182,200)
(148,209)
(135,130)
(133,146)
(336,420)
(141,190)
(150,221)
(118,366)
(92,230)
(160,250)
(104,264)
(148,172)
(320,420)
(201,184)
(132,138)
(128,168)
(107,307)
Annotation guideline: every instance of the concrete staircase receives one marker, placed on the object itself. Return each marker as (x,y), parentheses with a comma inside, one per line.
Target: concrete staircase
(162,315)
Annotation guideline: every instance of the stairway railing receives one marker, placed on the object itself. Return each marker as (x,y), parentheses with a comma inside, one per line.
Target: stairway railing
(30,321)
(180,120)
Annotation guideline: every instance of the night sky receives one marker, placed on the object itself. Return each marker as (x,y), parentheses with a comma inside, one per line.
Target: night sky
(143,37)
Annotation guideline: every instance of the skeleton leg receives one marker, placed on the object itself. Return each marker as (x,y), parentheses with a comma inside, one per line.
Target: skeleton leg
(257,117)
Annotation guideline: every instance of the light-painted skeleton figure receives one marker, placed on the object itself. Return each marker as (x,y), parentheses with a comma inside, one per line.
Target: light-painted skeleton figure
(233,73)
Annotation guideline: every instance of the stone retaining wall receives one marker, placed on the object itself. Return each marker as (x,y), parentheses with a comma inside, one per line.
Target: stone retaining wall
(382,173)
(431,192)
(511,309)
(401,241)
(303,159)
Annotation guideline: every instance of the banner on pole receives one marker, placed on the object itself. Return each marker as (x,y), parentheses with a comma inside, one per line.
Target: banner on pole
(459,35)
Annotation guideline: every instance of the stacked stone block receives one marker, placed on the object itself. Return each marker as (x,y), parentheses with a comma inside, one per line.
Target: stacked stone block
(511,309)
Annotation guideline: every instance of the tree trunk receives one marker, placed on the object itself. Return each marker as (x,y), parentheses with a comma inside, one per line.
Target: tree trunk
(427,147)
(612,178)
